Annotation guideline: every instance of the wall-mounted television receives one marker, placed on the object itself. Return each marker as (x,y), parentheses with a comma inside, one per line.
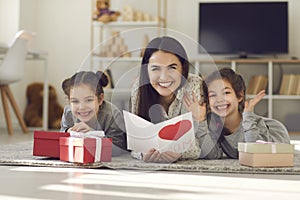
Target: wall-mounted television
(244,28)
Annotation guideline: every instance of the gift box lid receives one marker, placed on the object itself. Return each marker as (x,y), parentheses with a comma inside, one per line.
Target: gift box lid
(76,141)
(257,147)
(52,135)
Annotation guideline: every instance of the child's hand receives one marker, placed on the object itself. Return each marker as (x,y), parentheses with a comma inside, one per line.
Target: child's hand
(80,127)
(169,156)
(198,110)
(249,105)
(155,156)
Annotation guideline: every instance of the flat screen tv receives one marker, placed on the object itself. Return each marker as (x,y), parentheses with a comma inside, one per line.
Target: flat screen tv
(244,28)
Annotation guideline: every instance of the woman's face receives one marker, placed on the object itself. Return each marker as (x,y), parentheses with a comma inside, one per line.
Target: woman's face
(222,98)
(84,103)
(165,73)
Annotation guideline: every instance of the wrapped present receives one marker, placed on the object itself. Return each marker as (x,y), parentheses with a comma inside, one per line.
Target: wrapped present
(46,143)
(85,150)
(89,134)
(266,154)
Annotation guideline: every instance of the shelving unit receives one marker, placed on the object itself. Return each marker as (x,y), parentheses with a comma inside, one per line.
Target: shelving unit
(122,67)
(261,66)
(159,22)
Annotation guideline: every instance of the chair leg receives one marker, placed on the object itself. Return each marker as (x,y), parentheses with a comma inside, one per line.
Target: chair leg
(6,110)
(16,109)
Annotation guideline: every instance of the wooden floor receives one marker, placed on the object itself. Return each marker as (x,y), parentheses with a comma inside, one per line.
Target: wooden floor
(36,183)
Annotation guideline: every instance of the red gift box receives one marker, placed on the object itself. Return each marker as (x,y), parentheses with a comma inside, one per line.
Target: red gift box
(85,150)
(46,143)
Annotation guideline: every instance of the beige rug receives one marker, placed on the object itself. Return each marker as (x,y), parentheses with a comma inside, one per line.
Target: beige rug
(21,154)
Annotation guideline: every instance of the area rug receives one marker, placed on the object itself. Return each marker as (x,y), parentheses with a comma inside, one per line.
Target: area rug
(21,154)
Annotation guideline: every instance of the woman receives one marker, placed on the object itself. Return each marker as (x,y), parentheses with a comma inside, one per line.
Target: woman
(158,96)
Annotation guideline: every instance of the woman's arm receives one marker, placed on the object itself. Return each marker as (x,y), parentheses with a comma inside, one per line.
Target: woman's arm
(133,103)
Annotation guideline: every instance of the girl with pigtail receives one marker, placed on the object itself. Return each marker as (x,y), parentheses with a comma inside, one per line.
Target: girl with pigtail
(230,119)
(87,109)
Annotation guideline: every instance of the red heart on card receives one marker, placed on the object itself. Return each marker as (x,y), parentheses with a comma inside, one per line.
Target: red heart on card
(175,131)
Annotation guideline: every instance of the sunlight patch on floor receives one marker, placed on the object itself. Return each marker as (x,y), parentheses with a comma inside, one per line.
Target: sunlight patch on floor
(6,197)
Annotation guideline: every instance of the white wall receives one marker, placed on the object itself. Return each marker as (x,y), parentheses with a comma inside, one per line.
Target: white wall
(63,29)
(9,25)
(294,28)
(9,19)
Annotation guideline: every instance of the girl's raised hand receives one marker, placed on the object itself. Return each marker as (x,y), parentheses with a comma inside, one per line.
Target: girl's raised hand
(80,127)
(249,105)
(198,110)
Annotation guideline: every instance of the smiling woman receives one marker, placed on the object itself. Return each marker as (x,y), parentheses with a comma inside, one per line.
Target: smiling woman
(159,94)
(165,71)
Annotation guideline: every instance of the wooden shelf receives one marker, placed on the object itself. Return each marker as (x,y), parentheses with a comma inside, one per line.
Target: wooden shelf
(286,97)
(117,59)
(294,133)
(126,24)
(255,61)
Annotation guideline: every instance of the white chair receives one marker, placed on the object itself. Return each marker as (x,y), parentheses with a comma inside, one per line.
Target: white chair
(11,71)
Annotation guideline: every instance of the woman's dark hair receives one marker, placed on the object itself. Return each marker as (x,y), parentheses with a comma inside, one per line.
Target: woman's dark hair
(148,96)
(236,80)
(96,81)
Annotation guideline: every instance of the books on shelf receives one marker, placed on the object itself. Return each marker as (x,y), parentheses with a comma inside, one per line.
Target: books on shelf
(290,84)
(298,85)
(257,83)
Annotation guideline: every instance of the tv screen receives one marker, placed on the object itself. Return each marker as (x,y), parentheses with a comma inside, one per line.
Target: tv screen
(244,28)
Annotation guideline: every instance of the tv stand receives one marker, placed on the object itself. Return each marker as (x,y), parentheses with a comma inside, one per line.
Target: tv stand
(244,56)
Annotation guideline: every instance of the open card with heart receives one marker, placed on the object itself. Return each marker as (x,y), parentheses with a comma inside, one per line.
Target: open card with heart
(176,134)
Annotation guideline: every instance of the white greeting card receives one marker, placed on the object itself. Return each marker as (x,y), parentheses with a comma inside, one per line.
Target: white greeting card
(176,134)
